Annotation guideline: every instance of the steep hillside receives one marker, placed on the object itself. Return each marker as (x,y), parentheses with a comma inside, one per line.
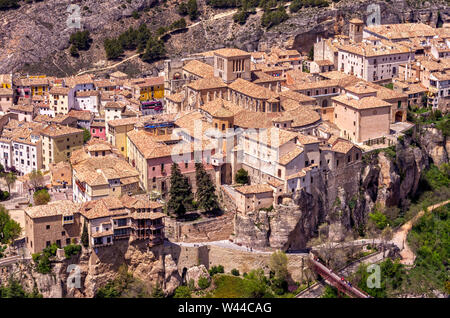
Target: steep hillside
(34,38)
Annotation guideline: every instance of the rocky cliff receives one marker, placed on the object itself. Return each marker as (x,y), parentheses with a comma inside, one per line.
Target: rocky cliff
(96,268)
(35,37)
(385,179)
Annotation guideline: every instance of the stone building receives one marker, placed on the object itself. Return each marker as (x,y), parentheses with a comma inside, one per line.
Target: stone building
(56,222)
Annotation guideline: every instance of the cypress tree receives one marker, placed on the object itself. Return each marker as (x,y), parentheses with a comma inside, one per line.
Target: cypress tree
(206,191)
(180,192)
(85,236)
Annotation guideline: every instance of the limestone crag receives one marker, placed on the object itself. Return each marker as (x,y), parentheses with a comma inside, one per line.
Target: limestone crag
(41,44)
(385,179)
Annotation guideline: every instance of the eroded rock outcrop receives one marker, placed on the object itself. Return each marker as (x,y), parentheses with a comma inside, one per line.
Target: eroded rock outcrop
(385,179)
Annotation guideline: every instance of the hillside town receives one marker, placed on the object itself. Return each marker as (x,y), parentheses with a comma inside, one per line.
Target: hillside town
(266,128)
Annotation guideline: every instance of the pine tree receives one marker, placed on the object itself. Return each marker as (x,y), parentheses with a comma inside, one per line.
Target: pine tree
(180,192)
(85,236)
(206,191)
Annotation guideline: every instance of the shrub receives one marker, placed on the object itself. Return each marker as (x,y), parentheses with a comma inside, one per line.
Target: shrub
(4,195)
(235,272)
(216,270)
(203,282)
(41,197)
(81,40)
(71,249)
(182,292)
(241,176)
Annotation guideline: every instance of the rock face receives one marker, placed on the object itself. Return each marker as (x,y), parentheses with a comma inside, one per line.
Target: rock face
(83,275)
(41,44)
(383,180)
(195,273)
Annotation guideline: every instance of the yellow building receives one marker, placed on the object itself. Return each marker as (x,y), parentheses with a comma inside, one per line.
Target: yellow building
(116,132)
(58,143)
(148,88)
(6,81)
(59,99)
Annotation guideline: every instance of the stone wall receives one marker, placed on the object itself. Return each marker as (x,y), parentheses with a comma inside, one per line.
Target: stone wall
(212,229)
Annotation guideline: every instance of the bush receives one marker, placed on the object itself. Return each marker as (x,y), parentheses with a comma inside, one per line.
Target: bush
(273,18)
(295,6)
(242,176)
(41,197)
(113,48)
(71,249)
(4,195)
(216,270)
(235,272)
(203,282)
(179,24)
(241,17)
(182,292)
(81,40)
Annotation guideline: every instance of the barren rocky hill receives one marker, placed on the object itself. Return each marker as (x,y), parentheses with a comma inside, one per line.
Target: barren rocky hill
(35,37)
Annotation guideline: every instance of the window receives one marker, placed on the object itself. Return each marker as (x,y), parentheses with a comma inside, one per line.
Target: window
(47,227)
(67,241)
(186,165)
(47,243)
(63,233)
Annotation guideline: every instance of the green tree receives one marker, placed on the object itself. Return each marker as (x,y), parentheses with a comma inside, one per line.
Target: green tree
(206,191)
(192,9)
(9,229)
(81,40)
(36,178)
(180,192)
(241,176)
(295,6)
(311,53)
(41,197)
(154,50)
(10,179)
(157,292)
(182,292)
(86,135)
(182,9)
(85,236)
(278,265)
(113,48)
(379,219)
(74,51)
(8,4)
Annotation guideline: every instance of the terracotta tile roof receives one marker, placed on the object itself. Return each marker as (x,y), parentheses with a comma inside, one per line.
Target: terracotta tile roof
(307,139)
(363,103)
(118,74)
(298,97)
(291,155)
(147,82)
(296,175)
(147,146)
(22,108)
(252,90)
(139,202)
(356,21)
(207,83)
(115,105)
(105,207)
(273,136)
(83,115)
(361,88)
(190,122)
(198,68)
(61,172)
(275,182)
(370,50)
(221,108)
(254,189)
(342,146)
(251,119)
(56,90)
(6,92)
(229,52)
(78,80)
(87,93)
(323,62)
(55,130)
(402,30)
(299,117)
(62,207)
(177,98)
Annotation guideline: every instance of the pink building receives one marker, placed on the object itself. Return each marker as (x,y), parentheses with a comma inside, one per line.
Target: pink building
(98,130)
